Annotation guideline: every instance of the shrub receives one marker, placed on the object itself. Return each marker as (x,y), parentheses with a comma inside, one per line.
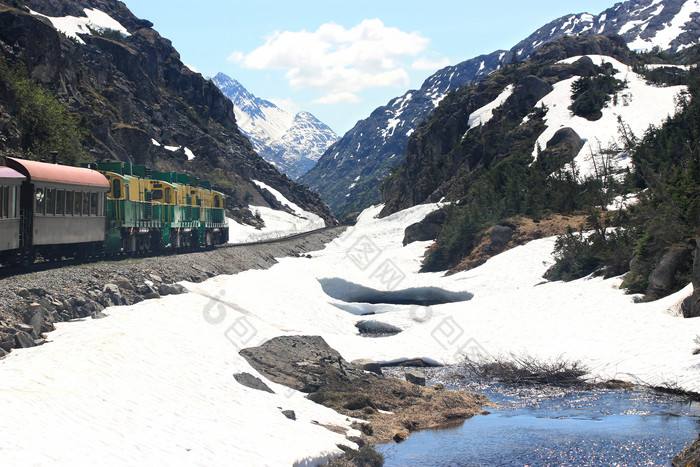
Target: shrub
(45,123)
(591,94)
(527,370)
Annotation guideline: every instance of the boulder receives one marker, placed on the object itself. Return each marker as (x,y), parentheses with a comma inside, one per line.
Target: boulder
(24,340)
(36,321)
(501,235)
(124,284)
(170,289)
(415,377)
(691,305)
(28,328)
(290,414)
(38,291)
(689,456)
(253,382)
(366,364)
(155,278)
(376,327)
(7,341)
(24,293)
(304,363)
(427,229)
(568,138)
(662,278)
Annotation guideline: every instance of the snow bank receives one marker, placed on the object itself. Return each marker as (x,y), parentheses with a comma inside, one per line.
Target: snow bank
(153,382)
(639,106)
(277,223)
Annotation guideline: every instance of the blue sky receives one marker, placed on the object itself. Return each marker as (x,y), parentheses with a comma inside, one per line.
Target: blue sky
(341,60)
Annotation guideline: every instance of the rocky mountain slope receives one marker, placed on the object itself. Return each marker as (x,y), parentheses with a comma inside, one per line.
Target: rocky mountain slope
(121,92)
(349,173)
(292,143)
(581,126)
(525,111)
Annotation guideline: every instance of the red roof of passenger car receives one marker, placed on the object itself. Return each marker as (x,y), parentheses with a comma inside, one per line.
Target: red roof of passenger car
(6,172)
(41,171)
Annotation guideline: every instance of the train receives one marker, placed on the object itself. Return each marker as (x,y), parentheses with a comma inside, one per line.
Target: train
(102,209)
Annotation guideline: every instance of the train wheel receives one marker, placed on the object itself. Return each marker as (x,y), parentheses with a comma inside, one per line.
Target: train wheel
(27,258)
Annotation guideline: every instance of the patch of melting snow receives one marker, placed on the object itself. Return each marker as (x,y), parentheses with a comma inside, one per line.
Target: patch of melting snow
(73,26)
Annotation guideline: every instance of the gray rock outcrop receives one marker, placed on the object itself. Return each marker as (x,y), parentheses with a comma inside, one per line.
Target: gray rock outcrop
(691,305)
(305,363)
(662,278)
(689,456)
(253,382)
(427,229)
(415,377)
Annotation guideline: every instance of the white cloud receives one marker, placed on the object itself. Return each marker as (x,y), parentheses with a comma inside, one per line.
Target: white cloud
(423,63)
(337,61)
(286,104)
(338,98)
(236,57)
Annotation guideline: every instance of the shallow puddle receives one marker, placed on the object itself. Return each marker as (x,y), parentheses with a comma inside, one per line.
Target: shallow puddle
(554,426)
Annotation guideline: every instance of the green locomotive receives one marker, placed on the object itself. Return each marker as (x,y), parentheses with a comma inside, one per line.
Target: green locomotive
(150,211)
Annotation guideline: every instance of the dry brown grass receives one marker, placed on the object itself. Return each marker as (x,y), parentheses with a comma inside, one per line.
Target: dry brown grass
(526,230)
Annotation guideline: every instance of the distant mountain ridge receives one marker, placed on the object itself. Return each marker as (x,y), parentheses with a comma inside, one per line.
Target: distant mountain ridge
(292,143)
(349,173)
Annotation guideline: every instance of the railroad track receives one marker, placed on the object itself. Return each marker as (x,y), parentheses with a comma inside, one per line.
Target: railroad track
(45,265)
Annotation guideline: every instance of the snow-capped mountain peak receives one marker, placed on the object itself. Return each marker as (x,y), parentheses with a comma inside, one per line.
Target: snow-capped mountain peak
(292,143)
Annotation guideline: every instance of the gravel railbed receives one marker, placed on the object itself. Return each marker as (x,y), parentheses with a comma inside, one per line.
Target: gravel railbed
(31,302)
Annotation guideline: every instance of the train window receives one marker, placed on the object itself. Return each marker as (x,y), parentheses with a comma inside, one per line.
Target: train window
(157,195)
(39,206)
(78,203)
(101,205)
(128,192)
(93,203)
(60,202)
(86,203)
(217,201)
(4,201)
(51,201)
(168,195)
(116,188)
(12,207)
(69,202)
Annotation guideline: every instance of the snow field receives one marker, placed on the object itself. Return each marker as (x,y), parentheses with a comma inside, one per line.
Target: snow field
(639,105)
(153,382)
(277,223)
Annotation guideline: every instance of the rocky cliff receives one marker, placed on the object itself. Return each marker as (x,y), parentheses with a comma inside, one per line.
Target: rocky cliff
(129,97)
